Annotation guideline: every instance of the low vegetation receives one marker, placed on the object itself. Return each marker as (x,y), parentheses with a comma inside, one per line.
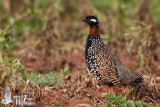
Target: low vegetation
(42,50)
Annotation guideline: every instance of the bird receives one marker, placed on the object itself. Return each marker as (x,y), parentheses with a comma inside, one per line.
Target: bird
(103,63)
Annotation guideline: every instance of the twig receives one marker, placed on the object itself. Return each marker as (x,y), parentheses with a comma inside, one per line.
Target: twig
(35,85)
(150,98)
(155,85)
(150,93)
(148,77)
(20,79)
(151,81)
(1,60)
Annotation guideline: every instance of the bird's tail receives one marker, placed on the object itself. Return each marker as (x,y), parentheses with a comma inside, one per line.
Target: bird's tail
(136,78)
(136,82)
(132,78)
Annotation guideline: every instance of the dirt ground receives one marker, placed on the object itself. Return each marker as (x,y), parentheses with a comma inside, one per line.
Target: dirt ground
(79,88)
(46,50)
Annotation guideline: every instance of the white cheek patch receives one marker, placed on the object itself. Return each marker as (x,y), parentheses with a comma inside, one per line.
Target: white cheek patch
(93,20)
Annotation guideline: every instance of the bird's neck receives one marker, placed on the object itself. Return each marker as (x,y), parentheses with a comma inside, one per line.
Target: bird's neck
(94,31)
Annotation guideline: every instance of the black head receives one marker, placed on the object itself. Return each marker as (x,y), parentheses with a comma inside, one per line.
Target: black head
(91,20)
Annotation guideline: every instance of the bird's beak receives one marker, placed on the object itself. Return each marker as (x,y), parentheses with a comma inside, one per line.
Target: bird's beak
(84,19)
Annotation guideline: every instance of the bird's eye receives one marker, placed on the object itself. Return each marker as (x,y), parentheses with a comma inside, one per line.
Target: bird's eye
(93,20)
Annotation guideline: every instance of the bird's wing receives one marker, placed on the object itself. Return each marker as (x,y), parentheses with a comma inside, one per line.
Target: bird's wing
(110,66)
(106,65)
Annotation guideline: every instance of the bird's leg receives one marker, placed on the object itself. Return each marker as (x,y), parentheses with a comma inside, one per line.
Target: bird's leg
(109,89)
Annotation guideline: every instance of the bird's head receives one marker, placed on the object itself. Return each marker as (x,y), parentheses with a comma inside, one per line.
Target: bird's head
(91,20)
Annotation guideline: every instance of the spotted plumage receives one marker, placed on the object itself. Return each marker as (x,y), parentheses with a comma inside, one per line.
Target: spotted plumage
(104,64)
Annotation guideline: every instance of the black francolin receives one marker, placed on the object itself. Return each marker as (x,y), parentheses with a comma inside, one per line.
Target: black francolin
(104,64)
